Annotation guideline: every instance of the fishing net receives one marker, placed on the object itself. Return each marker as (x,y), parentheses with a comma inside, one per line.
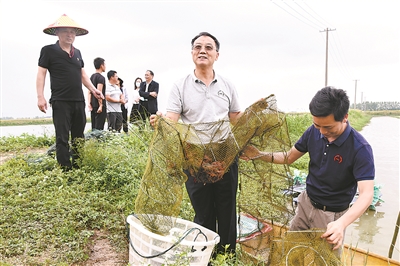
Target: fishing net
(265,199)
(302,248)
(205,151)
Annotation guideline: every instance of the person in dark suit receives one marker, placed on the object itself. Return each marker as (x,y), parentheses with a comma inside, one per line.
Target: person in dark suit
(149,91)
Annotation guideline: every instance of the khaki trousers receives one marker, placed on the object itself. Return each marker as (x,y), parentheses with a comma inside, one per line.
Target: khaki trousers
(308,217)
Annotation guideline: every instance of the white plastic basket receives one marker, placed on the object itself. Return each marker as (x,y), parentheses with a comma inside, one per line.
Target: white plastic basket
(187,243)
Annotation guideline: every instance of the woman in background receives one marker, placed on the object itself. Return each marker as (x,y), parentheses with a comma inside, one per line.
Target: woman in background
(136,108)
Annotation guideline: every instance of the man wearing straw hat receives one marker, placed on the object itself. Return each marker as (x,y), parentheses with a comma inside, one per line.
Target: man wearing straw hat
(65,65)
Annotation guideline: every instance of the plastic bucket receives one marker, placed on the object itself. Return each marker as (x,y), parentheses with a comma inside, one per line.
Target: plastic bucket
(186,243)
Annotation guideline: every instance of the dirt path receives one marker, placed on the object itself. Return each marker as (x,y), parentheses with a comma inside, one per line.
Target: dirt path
(103,254)
(4,156)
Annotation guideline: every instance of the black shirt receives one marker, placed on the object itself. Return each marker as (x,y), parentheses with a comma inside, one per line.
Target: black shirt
(65,72)
(97,78)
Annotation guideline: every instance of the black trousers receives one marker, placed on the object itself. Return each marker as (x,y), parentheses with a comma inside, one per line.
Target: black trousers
(144,110)
(98,119)
(114,121)
(124,118)
(215,206)
(135,113)
(68,118)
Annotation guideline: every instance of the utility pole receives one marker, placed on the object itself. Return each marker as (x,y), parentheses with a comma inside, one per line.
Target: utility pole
(326,56)
(355,94)
(362,101)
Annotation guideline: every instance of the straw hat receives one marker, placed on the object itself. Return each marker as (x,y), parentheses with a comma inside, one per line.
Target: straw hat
(65,22)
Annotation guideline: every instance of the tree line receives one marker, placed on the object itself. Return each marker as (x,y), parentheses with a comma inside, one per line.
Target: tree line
(378,106)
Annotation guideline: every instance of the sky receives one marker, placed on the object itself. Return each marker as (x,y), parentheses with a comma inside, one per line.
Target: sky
(267,46)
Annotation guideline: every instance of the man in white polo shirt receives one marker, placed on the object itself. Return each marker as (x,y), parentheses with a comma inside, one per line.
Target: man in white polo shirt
(205,97)
(114,99)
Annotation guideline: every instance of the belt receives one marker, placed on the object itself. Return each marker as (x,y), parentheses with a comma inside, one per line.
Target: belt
(144,100)
(326,208)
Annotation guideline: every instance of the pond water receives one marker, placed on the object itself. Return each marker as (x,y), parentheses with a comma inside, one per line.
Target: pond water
(37,130)
(374,230)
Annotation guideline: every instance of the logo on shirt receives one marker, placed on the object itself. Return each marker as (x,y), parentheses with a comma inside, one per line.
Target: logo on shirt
(221,93)
(338,158)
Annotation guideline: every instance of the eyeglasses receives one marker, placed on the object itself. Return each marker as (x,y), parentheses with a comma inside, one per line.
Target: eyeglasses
(207,47)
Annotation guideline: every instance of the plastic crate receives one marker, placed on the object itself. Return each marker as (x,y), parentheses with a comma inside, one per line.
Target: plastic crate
(186,243)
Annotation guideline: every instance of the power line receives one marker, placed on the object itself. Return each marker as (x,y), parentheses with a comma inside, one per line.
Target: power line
(300,14)
(321,24)
(293,15)
(305,16)
(341,52)
(333,53)
(317,14)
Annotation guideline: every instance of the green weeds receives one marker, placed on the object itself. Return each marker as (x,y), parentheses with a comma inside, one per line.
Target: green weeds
(25,141)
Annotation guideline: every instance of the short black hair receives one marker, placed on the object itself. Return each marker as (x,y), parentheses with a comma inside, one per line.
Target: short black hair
(111,73)
(121,82)
(98,61)
(204,33)
(330,100)
(151,72)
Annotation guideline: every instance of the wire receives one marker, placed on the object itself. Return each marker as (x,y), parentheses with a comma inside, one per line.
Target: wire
(329,24)
(294,15)
(336,51)
(300,14)
(311,15)
(341,53)
(185,234)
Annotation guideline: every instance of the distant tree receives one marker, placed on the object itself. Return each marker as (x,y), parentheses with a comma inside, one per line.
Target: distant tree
(378,106)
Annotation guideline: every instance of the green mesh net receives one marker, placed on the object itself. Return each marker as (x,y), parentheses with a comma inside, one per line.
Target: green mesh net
(206,150)
(302,248)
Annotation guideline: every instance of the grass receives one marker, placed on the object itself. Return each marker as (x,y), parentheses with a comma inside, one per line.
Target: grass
(46,212)
(25,121)
(24,141)
(48,216)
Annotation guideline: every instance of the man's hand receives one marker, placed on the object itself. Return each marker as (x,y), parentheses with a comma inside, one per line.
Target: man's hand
(98,94)
(42,104)
(334,234)
(154,118)
(249,152)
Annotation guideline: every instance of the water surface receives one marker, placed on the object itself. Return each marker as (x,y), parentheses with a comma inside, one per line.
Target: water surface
(374,230)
